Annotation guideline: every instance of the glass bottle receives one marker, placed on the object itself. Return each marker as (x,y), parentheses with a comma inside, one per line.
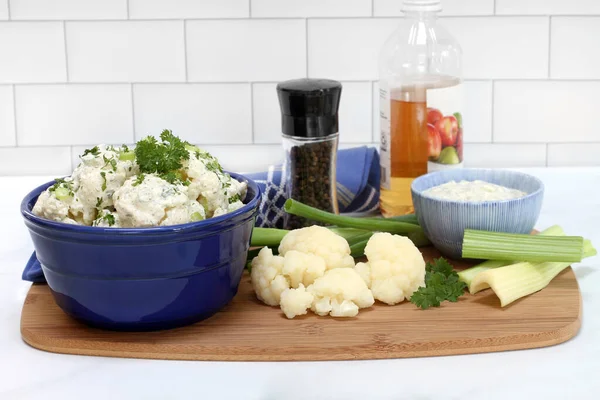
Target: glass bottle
(420,92)
(309,120)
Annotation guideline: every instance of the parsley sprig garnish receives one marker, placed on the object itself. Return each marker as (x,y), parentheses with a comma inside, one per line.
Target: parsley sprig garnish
(161,157)
(441,284)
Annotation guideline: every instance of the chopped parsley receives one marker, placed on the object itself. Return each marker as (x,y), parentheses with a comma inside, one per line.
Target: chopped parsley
(441,284)
(138,180)
(93,151)
(59,182)
(214,166)
(109,218)
(124,149)
(99,202)
(103,174)
(234,198)
(110,161)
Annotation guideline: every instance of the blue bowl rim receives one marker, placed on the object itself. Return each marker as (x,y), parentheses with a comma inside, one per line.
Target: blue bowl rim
(180,228)
(537,192)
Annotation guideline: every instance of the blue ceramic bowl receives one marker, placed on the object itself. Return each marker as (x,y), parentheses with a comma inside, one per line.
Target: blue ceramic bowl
(444,221)
(139,279)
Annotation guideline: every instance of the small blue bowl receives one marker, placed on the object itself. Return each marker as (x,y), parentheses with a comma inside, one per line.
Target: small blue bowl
(140,279)
(444,221)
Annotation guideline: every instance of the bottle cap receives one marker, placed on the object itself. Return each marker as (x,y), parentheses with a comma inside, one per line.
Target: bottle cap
(421,5)
(309,107)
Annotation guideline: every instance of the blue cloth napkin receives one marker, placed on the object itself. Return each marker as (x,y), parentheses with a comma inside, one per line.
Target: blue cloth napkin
(357,185)
(358,175)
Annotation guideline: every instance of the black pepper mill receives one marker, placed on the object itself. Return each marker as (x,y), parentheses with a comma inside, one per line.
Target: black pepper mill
(309,122)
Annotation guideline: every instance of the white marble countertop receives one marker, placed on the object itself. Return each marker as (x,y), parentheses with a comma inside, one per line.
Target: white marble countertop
(569,370)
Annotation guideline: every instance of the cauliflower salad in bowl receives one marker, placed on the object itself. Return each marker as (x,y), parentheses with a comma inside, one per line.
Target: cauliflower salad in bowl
(159,183)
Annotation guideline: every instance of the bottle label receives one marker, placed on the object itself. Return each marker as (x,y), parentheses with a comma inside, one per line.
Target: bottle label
(445,127)
(385,160)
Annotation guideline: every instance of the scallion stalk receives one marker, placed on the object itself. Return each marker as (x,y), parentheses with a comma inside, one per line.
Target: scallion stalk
(521,279)
(273,236)
(372,224)
(511,246)
(468,274)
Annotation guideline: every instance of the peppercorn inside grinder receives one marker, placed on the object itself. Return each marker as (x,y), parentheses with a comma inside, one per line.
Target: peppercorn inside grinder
(309,123)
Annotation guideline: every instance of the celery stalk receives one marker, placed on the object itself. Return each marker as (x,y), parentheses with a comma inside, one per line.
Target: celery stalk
(468,274)
(518,280)
(511,246)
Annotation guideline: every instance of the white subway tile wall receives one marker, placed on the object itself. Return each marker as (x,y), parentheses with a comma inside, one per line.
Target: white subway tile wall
(3,10)
(7,116)
(126,51)
(72,114)
(575,48)
(182,9)
(68,9)
(74,73)
(199,113)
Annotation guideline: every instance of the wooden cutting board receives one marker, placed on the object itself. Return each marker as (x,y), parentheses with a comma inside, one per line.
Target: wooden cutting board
(247,330)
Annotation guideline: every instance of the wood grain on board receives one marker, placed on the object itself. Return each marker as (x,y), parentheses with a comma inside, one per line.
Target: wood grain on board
(247,330)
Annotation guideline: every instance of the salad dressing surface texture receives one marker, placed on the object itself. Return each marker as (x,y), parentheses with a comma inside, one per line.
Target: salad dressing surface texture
(166,182)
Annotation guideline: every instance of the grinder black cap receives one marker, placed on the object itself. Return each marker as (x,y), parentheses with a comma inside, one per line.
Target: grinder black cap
(309,107)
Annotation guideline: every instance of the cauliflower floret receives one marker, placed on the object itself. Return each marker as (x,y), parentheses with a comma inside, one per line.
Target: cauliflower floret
(267,280)
(395,268)
(319,241)
(48,206)
(146,203)
(106,219)
(302,268)
(296,301)
(340,293)
(183,214)
(98,176)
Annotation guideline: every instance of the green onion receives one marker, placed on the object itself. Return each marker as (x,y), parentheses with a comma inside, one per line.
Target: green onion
(512,246)
(408,218)
(272,236)
(62,193)
(372,224)
(468,274)
(196,216)
(518,280)
(358,248)
(127,156)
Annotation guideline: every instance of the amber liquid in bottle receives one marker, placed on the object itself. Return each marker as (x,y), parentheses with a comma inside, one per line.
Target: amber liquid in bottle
(409,144)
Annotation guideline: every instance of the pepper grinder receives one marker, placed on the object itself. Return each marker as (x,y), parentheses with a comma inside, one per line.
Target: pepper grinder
(309,126)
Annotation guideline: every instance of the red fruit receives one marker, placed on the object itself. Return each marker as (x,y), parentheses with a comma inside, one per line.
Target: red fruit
(459,144)
(448,129)
(433,115)
(435,142)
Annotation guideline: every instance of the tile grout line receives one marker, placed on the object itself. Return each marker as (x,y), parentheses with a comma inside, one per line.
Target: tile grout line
(494,10)
(64,24)
(8,9)
(132,113)
(127,8)
(14,101)
(372,8)
(493,110)
(549,45)
(252,113)
(547,151)
(185,57)
(71,157)
(287,18)
(249,8)
(306,45)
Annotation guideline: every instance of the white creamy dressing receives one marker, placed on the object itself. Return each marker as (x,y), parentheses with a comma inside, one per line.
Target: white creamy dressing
(473,191)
